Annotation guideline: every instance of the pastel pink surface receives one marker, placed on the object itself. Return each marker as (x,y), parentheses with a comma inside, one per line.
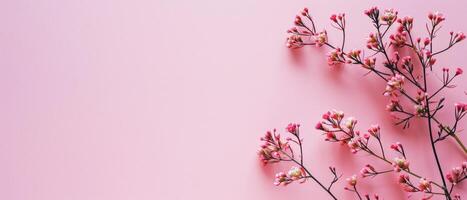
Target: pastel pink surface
(167,99)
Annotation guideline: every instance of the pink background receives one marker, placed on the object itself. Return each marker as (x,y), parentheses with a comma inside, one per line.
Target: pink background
(166,99)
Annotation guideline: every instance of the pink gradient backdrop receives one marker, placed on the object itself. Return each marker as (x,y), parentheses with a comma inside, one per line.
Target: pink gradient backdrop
(166,99)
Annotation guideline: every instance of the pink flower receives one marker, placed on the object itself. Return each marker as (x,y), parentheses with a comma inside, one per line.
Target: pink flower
(330,136)
(271,150)
(294,41)
(406,22)
(339,20)
(298,21)
(393,105)
(354,144)
(281,178)
(319,126)
(424,185)
(333,18)
(374,130)
(420,110)
(305,12)
(396,146)
(459,37)
(326,115)
(460,108)
(459,71)
(292,175)
(436,18)
(336,56)
(321,38)
(389,16)
(394,84)
(292,128)
(350,123)
(398,39)
(404,181)
(369,63)
(337,115)
(352,181)
(456,174)
(372,42)
(296,173)
(400,164)
(354,55)
(372,11)
(426,42)
(367,171)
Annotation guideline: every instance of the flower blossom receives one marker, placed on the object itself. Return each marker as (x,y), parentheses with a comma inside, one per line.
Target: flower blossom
(350,123)
(394,84)
(272,149)
(406,22)
(355,56)
(352,181)
(393,105)
(400,164)
(292,175)
(372,12)
(398,39)
(294,41)
(339,19)
(354,144)
(407,63)
(321,38)
(460,110)
(457,174)
(369,63)
(436,18)
(336,56)
(367,171)
(459,71)
(458,37)
(372,42)
(404,181)
(389,16)
(424,185)
(292,128)
(374,130)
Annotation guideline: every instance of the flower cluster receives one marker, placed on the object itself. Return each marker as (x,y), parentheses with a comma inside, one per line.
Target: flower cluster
(336,56)
(355,56)
(457,174)
(400,164)
(436,18)
(292,175)
(294,41)
(404,181)
(389,16)
(338,20)
(424,185)
(399,38)
(372,42)
(457,37)
(321,38)
(273,149)
(394,84)
(373,13)
(369,63)
(343,131)
(368,171)
(406,23)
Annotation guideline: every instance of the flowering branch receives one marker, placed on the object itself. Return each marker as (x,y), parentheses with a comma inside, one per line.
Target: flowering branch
(275,150)
(398,72)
